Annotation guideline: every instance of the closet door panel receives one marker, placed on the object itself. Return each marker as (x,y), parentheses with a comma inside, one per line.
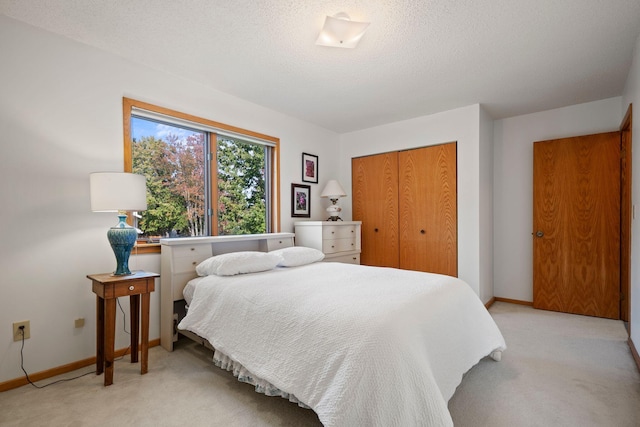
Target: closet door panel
(375,203)
(427,202)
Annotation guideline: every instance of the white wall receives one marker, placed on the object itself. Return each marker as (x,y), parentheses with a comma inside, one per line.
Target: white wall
(60,119)
(513,183)
(461,125)
(485,188)
(631,95)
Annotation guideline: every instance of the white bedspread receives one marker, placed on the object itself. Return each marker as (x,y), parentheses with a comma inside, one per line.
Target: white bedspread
(362,346)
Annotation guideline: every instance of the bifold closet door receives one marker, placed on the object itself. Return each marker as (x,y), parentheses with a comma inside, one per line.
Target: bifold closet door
(375,203)
(427,202)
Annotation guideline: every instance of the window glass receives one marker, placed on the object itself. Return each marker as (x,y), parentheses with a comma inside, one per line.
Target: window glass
(173,161)
(242,187)
(179,165)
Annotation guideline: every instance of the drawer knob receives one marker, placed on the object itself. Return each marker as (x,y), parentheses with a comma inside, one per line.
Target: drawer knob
(333,232)
(422,231)
(193,263)
(375,229)
(332,246)
(193,249)
(131,287)
(280,242)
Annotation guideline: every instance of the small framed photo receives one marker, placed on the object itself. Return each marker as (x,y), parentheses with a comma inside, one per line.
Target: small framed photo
(309,168)
(300,201)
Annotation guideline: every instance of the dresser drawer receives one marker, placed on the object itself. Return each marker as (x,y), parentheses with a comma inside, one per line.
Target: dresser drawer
(123,289)
(280,243)
(186,258)
(191,250)
(347,259)
(338,245)
(338,231)
(188,264)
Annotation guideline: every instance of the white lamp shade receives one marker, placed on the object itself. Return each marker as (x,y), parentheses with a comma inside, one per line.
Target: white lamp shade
(117,191)
(333,190)
(340,31)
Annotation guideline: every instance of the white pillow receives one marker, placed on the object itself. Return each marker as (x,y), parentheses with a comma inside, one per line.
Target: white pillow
(238,263)
(298,255)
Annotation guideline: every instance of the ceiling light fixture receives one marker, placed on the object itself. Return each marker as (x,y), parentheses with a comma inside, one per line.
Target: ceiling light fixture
(340,31)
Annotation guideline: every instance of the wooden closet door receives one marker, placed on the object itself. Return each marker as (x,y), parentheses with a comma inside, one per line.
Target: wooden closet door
(428,209)
(375,203)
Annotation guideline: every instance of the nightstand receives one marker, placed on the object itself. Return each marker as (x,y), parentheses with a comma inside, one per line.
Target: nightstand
(108,288)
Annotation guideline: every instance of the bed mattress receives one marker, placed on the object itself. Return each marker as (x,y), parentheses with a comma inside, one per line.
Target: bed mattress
(359,345)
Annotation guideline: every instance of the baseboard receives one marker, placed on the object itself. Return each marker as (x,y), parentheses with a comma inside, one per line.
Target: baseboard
(634,352)
(514,301)
(490,303)
(42,375)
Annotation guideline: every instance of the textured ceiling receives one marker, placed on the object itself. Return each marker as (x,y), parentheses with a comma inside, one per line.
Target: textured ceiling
(418,57)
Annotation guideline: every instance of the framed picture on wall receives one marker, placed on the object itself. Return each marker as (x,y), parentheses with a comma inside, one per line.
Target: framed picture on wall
(300,201)
(309,168)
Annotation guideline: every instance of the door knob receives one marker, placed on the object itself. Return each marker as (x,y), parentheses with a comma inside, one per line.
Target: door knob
(539,233)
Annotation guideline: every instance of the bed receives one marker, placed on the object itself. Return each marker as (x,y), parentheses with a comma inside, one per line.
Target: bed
(358,345)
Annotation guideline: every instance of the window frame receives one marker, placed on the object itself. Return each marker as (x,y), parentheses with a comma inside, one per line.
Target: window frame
(127,108)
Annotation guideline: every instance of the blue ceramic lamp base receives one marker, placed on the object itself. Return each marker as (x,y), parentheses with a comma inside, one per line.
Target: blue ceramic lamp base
(122,237)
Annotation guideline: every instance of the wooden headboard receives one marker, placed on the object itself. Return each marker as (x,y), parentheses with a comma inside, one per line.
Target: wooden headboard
(178,262)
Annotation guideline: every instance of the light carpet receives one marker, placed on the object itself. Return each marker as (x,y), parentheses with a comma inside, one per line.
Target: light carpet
(559,370)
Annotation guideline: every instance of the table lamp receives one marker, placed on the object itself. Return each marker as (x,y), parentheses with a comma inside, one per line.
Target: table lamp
(119,192)
(333,191)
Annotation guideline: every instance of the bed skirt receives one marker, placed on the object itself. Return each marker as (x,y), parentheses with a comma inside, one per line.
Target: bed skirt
(223,361)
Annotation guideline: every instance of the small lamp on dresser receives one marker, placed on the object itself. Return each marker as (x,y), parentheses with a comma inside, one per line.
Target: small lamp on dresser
(333,191)
(119,192)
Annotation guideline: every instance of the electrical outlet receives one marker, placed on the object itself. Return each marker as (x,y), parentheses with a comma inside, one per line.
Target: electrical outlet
(79,322)
(19,334)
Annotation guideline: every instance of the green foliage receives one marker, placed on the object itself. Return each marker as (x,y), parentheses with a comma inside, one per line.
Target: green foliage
(165,209)
(188,180)
(176,200)
(241,187)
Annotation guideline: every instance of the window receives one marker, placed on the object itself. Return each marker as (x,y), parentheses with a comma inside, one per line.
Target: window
(203,178)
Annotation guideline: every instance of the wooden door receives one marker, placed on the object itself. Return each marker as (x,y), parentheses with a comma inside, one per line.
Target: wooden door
(626,215)
(576,223)
(375,203)
(428,209)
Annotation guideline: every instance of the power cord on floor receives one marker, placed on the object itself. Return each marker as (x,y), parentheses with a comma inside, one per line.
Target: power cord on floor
(26,375)
(124,328)
(21,328)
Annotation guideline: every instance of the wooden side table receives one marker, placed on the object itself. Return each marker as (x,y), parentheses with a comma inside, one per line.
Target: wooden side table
(107,288)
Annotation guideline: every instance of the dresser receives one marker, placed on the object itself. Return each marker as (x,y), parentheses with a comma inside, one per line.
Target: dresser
(338,240)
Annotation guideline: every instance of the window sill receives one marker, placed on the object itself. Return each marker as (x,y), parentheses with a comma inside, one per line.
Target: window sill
(146,248)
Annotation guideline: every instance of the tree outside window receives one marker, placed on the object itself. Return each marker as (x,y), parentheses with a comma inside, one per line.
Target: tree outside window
(242,197)
(175,161)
